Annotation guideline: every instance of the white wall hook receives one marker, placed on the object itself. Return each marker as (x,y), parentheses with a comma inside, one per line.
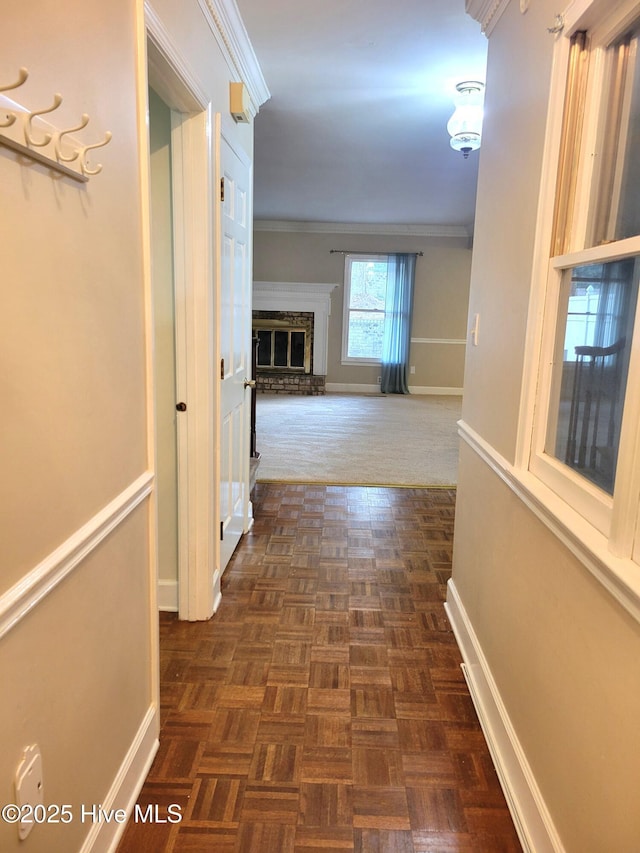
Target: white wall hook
(83,155)
(28,130)
(9,119)
(22,76)
(558,25)
(68,158)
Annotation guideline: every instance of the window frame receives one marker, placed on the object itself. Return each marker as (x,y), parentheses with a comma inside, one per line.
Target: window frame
(590,501)
(613,519)
(346,359)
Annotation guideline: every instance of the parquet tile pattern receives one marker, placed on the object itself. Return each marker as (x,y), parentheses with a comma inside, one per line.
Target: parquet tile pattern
(323,708)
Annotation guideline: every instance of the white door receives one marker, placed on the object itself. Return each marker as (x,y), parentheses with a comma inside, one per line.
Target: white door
(235,348)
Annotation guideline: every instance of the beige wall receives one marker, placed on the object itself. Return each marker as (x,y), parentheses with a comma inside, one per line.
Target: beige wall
(75,670)
(440,302)
(72,272)
(508,186)
(564,655)
(76,681)
(78,665)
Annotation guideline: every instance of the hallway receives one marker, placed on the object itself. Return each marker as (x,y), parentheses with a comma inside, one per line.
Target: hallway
(323,707)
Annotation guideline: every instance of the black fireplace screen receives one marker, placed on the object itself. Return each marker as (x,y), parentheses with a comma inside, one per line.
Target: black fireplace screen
(283,348)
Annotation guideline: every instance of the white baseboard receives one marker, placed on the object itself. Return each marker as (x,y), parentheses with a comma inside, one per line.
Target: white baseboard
(354,388)
(435,390)
(168,596)
(530,815)
(217,599)
(104,836)
(351,388)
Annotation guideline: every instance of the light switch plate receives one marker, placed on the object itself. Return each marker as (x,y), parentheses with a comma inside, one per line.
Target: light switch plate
(474,329)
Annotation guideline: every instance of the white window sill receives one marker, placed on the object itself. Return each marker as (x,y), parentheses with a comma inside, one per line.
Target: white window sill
(364,362)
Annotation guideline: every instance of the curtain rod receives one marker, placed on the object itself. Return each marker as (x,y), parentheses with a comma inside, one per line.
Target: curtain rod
(377,252)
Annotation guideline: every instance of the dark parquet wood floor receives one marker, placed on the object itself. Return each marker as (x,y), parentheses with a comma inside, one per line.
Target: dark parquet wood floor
(323,708)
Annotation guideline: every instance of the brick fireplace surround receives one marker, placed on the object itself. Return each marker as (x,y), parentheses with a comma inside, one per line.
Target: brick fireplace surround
(295,304)
(283,380)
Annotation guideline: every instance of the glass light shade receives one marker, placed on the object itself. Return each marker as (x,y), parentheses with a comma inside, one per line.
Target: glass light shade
(465,125)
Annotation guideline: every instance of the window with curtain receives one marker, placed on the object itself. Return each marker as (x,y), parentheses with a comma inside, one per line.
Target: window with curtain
(378,304)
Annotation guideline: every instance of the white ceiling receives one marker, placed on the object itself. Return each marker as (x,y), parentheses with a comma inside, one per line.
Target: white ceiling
(361,92)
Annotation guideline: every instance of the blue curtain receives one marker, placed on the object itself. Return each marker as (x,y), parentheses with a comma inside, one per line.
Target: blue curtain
(397,324)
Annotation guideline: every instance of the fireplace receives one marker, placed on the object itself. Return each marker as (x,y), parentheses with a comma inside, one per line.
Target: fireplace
(284,352)
(290,328)
(284,340)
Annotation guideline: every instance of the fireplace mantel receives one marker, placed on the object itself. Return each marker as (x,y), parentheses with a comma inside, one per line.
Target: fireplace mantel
(300,296)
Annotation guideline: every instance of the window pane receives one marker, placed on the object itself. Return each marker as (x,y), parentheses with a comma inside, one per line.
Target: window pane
(618,209)
(281,348)
(591,366)
(264,347)
(365,334)
(368,285)
(297,349)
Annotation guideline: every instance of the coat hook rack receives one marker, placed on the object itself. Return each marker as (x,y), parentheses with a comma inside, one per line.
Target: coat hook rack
(33,136)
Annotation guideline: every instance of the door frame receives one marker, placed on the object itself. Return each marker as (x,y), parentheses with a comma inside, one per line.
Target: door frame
(192,168)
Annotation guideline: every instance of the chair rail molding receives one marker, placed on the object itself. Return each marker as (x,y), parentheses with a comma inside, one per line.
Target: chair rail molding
(617,574)
(21,598)
(486,12)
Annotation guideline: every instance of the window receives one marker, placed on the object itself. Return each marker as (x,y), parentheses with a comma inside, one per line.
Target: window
(591,370)
(586,425)
(365,296)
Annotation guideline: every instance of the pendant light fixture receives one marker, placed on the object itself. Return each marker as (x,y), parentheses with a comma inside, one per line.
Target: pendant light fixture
(465,125)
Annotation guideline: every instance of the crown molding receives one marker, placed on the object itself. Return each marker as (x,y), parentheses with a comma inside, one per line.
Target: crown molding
(310,289)
(487,12)
(393,229)
(226,24)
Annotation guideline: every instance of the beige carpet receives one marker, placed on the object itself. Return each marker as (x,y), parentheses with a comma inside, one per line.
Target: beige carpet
(358,439)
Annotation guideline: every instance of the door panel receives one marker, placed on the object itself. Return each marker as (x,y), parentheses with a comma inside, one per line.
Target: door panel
(235,344)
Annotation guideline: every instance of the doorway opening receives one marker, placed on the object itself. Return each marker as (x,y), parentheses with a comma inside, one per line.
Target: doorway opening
(164,335)
(184,422)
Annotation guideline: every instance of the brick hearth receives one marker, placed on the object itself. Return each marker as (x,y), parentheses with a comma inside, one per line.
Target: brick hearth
(288,383)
